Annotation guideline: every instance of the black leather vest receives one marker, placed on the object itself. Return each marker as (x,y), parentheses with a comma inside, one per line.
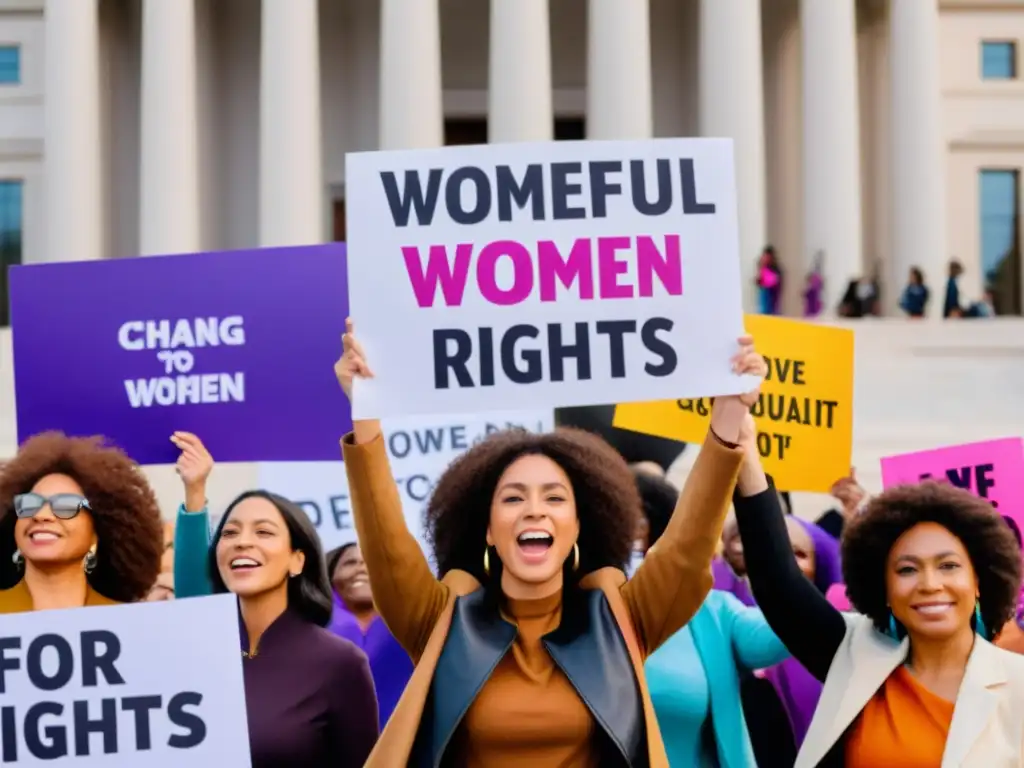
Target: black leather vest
(587,647)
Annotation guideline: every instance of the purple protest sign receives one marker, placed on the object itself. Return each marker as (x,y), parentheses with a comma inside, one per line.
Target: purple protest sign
(235,346)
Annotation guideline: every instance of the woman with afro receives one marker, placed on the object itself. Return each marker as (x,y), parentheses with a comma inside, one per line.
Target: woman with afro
(529,650)
(930,570)
(79,525)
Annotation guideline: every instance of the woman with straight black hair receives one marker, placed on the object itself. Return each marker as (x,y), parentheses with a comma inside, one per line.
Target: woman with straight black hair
(309,694)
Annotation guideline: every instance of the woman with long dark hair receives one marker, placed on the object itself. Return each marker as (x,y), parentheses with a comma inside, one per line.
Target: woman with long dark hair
(79,525)
(529,650)
(309,694)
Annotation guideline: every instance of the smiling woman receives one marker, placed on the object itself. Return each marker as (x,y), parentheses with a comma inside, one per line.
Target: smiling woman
(309,694)
(356,619)
(530,641)
(930,570)
(79,525)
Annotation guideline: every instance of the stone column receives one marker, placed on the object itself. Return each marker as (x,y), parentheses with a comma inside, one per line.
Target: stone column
(74,180)
(832,168)
(619,70)
(732,106)
(411,109)
(519,89)
(918,152)
(291,164)
(169,161)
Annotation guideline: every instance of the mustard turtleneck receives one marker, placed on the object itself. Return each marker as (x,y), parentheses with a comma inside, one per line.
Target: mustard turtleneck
(528,713)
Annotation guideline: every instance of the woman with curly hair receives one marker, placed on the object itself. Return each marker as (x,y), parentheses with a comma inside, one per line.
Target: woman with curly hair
(79,525)
(929,569)
(529,650)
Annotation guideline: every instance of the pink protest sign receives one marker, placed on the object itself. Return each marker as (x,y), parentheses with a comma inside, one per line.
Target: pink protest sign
(993,470)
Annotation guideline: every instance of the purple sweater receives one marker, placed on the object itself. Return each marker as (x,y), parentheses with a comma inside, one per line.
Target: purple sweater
(306,696)
(390,665)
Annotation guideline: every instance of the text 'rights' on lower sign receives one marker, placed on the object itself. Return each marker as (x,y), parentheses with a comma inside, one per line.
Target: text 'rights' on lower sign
(150,684)
(804,415)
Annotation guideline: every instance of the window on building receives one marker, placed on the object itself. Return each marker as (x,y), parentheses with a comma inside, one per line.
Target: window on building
(10,65)
(459,131)
(998,60)
(999,210)
(11,219)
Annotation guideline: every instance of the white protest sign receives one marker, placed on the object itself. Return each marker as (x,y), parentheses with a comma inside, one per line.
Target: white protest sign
(420,449)
(148,684)
(557,274)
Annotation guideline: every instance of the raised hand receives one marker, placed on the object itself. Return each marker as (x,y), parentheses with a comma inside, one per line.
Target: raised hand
(193,467)
(729,412)
(352,363)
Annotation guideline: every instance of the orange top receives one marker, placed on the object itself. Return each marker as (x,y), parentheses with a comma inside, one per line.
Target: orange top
(528,713)
(903,718)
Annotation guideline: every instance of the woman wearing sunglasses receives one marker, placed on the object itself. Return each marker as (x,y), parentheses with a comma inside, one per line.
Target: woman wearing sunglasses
(79,525)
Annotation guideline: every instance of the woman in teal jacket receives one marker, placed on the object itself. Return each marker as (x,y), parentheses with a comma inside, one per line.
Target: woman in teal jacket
(694,678)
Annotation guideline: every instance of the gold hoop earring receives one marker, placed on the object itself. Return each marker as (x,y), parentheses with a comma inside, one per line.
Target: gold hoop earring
(487,560)
(575,556)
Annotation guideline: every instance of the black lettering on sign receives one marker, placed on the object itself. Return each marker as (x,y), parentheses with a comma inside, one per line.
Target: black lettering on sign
(786,409)
(105,726)
(141,707)
(473,194)
(312,510)
(976,478)
(51,730)
(772,444)
(785,371)
(699,406)
(524,350)
(45,742)
(194,726)
(340,514)
(417,487)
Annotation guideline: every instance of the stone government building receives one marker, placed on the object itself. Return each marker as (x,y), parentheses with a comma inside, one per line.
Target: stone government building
(883,133)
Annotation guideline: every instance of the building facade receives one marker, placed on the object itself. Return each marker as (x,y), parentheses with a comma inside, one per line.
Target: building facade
(881,134)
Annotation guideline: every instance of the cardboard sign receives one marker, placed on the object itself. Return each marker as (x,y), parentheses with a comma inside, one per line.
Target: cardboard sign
(153,684)
(993,470)
(543,275)
(805,413)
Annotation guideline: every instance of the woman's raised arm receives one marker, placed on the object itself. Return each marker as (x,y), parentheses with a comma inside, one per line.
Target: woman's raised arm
(192,526)
(675,576)
(792,605)
(407,595)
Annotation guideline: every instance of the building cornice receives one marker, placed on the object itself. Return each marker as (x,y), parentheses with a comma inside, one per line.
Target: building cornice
(989,141)
(981,5)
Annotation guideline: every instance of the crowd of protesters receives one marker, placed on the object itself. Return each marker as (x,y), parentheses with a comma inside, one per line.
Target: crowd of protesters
(885,633)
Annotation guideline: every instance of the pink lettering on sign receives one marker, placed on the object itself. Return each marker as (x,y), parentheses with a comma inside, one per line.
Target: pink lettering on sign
(545,269)
(993,470)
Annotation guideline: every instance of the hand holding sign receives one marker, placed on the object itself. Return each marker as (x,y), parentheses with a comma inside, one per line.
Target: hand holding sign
(349,367)
(352,363)
(729,412)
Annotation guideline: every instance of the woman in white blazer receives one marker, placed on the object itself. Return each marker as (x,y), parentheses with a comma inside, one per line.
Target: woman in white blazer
(910,680)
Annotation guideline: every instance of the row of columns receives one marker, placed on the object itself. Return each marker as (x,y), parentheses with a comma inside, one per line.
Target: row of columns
(618,106)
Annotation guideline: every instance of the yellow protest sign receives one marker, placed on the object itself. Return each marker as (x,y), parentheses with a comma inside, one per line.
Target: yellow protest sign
(805,413)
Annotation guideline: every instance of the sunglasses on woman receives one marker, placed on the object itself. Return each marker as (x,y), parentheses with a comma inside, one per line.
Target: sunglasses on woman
(64,505)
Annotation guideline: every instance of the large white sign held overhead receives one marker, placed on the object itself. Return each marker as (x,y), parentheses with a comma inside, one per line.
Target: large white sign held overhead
(544,275)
